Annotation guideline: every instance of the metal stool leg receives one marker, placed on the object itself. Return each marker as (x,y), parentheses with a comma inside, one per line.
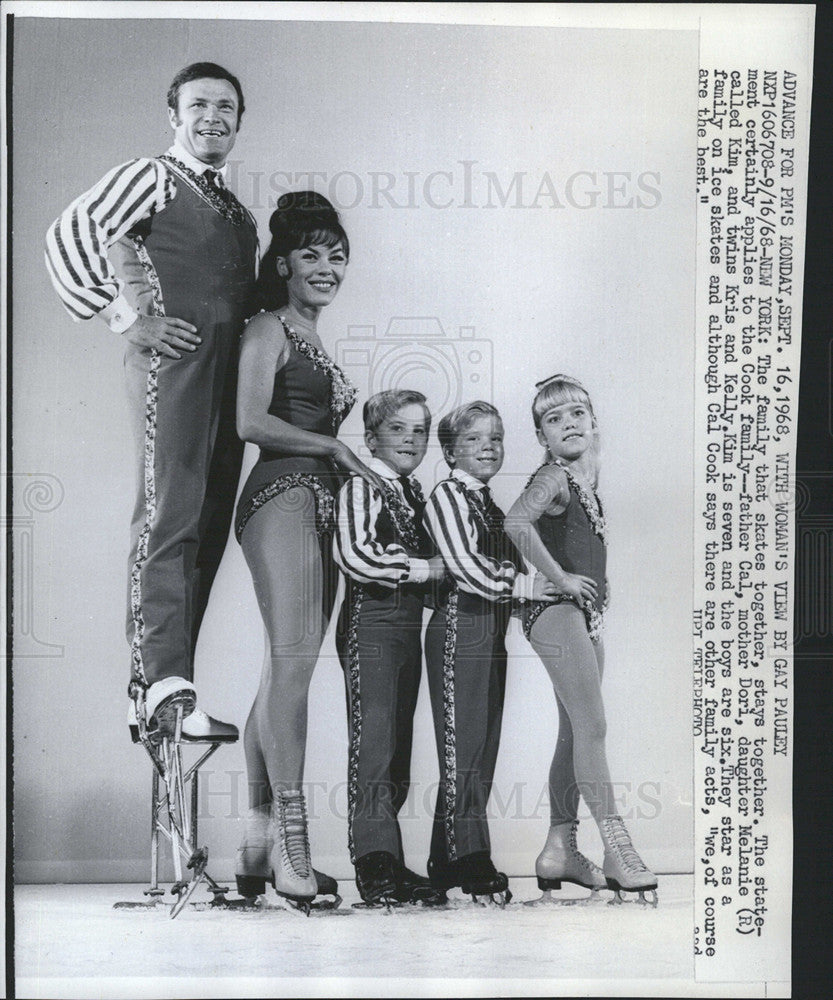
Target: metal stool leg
(174,812)
(153,889)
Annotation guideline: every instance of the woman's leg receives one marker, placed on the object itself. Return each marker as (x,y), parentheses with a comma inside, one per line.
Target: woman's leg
(574,665)
(282,550)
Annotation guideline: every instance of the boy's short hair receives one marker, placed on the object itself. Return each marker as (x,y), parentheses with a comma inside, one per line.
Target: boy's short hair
(453,424)
(384,404)
(554,392)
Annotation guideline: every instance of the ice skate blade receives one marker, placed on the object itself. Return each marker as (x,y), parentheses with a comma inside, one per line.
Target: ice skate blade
(547,899)
(640,901)
(399,909)
(300,904)
(618,889)
(426,898)
(252,886)
(385,904)
(184,895)
(499,899)
(243,903)
(327,904)
(167,712)
(150,904)
(278,905)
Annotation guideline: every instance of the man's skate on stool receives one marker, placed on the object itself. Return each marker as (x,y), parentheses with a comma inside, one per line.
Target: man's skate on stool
(175,787)
(162,700)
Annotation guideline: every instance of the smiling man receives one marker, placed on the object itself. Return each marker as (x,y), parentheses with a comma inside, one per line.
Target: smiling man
(165,255)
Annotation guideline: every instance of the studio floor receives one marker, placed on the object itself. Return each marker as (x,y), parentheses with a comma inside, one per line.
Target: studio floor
(70,941)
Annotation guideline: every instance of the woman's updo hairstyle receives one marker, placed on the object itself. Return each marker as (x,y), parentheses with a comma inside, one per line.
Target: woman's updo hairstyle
(302,219)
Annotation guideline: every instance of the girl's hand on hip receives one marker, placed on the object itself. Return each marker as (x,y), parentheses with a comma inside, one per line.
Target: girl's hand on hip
(543,589)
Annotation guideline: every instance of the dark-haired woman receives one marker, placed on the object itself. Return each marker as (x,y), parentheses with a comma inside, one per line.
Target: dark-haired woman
(291,400)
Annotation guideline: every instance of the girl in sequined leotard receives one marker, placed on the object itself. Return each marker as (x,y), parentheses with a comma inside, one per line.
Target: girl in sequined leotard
(291,400)
(558,525)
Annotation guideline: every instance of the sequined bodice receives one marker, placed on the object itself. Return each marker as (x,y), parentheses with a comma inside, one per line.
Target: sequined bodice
(310,390)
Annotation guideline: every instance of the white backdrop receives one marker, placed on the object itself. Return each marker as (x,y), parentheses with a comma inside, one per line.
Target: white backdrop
(539,217)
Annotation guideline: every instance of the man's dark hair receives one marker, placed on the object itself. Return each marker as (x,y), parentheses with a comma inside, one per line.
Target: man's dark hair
(201,71)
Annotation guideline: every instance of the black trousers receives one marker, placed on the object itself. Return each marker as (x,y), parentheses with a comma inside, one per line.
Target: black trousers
(465,652)
(379,645)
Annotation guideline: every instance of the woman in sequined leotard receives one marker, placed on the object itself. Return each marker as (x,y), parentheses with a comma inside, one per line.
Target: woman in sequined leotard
(291,400)
(558,525)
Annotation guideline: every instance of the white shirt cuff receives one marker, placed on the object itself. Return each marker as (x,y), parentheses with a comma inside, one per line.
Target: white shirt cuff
(418,570)
(524,587)
(119,315)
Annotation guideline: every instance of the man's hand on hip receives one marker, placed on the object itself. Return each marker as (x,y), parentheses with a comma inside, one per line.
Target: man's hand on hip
(166,333)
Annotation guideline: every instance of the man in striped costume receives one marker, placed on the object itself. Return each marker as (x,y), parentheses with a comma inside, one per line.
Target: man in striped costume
(165,255)
(387,558)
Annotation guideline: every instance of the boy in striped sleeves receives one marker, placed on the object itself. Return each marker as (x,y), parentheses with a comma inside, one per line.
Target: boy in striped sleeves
(388,560)
(465,647)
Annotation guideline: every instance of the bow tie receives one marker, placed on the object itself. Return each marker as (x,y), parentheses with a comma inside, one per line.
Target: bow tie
(214,179)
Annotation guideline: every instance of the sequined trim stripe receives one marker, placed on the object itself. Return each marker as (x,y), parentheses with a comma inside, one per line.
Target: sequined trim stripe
(151,399)
(449,730)
(593,617)
(589,500)
(324,504)
(588,497)
(355,715)
(403,517)
(342,391)
(224,204)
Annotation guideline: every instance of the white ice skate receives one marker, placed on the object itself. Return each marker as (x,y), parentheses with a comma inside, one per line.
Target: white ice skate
(291,864)
(254,871)
(254,867)
(167,698)
(623,868)
(562,861)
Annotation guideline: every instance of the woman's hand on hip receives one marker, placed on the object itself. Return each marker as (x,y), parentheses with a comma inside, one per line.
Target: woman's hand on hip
(345,458)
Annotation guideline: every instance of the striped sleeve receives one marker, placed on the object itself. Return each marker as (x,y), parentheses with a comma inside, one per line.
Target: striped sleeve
(78,241)
(451,524)
(356,547)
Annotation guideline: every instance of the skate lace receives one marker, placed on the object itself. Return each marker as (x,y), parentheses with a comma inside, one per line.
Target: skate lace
(585,862)
(294,835)
(620,841)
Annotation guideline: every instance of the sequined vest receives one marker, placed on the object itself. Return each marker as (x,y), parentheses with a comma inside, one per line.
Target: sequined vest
(198,262)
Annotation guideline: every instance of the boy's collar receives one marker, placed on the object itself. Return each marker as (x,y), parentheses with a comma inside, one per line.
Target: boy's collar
(467,479)
(384,470)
